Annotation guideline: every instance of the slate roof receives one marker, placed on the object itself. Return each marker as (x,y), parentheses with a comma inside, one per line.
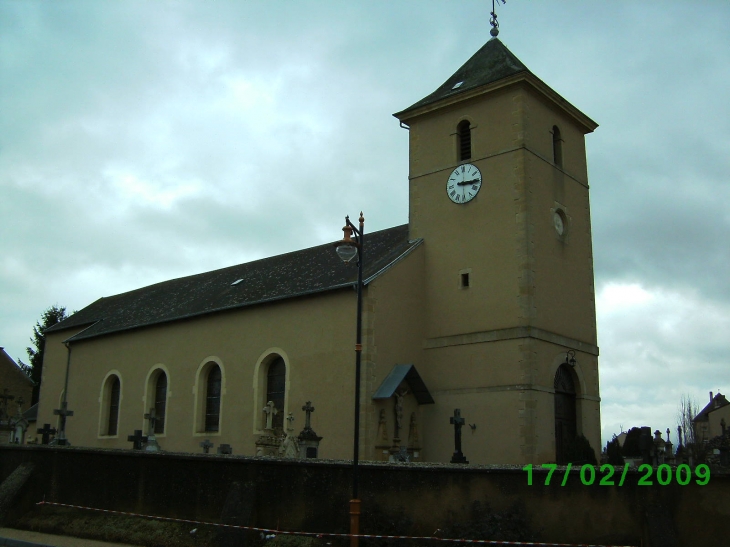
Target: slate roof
(718,401)
(491,63)
(298,273)
(408,373)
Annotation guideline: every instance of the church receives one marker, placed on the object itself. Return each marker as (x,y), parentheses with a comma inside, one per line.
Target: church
(482,306)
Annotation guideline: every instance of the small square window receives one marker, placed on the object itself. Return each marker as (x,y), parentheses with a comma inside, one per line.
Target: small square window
(464,280)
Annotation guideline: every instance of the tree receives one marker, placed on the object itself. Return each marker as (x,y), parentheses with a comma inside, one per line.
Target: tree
(613,451)
(54,314)
(579,451)
(687,411)
(632,445)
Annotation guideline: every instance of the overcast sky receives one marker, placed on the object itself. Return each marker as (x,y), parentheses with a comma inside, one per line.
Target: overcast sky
(142,141)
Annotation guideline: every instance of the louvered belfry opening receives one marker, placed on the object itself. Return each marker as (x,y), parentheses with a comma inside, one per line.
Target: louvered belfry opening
(213,399)
(565,418)
(275,388)
(557,147)
(160,402)
(463,131)
(114,406)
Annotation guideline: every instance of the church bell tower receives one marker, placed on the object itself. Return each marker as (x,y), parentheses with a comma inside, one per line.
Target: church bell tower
(499,194)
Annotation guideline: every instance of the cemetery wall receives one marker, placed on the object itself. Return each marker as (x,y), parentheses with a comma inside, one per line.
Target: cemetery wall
(312,495)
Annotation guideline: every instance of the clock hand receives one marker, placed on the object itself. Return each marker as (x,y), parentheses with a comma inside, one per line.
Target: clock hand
(467,182)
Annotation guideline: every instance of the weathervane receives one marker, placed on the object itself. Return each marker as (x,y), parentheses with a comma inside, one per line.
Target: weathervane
(493,19)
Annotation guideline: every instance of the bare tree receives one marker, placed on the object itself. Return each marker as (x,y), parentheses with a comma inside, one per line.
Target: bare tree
(687,411)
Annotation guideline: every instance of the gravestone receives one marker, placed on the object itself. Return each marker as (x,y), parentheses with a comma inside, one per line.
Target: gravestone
(64,413)
(290,445)
(151,444)
(46,431)
(458,422)
(206,445)
(225,449)
(137,439)
(308,439)
(270,411)
(269,442)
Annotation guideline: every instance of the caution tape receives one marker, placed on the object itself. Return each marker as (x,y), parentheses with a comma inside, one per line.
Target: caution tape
(329,534)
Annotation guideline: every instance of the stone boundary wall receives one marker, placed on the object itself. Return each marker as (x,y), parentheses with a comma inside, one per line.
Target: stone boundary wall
(312,495)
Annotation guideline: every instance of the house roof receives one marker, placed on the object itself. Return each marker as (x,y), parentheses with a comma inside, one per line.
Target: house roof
(309,271)
(718,401)
(12,367)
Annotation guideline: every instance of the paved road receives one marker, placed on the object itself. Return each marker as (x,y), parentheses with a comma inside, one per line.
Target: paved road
(9,537)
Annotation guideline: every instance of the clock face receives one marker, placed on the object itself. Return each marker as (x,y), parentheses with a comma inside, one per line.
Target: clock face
(558,222)
(464,183)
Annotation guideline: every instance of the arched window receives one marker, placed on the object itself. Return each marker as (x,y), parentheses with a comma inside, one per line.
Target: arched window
(463,132)
(275,388)
(565,417)
(113,422)
(557,147)
(160,402)
(213,399)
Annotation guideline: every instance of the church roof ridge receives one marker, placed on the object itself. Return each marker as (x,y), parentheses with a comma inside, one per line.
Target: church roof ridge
(492,62)
(296,273)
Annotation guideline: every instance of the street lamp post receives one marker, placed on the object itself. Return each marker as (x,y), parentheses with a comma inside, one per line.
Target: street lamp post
(347,249)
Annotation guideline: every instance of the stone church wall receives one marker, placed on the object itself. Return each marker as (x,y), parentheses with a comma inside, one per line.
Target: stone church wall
(313,495)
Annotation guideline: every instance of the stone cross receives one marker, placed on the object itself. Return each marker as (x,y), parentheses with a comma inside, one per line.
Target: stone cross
(308,408)
(137,439)
(458,422)
(270,411)
(20,403)
(679,434)
(64,413)
(207,445)
(150,417)
(290,425)
(46,431)
(225,449)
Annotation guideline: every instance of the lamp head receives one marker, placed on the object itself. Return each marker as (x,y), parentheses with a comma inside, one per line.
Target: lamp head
(347,248)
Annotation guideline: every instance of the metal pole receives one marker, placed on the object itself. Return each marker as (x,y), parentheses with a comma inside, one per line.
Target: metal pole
(355,501)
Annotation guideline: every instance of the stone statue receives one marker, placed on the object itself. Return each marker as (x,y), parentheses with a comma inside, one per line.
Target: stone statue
(413,440)
(382,426)
(398,408)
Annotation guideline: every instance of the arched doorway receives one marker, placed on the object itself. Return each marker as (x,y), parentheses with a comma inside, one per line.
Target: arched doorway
(565,419)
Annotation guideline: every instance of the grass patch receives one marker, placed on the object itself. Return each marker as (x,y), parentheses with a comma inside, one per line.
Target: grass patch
(66,521)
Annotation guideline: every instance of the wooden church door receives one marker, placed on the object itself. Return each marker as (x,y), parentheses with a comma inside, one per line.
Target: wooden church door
(565,419)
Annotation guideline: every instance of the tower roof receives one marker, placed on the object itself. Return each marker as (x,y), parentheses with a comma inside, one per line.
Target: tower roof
(491,63)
